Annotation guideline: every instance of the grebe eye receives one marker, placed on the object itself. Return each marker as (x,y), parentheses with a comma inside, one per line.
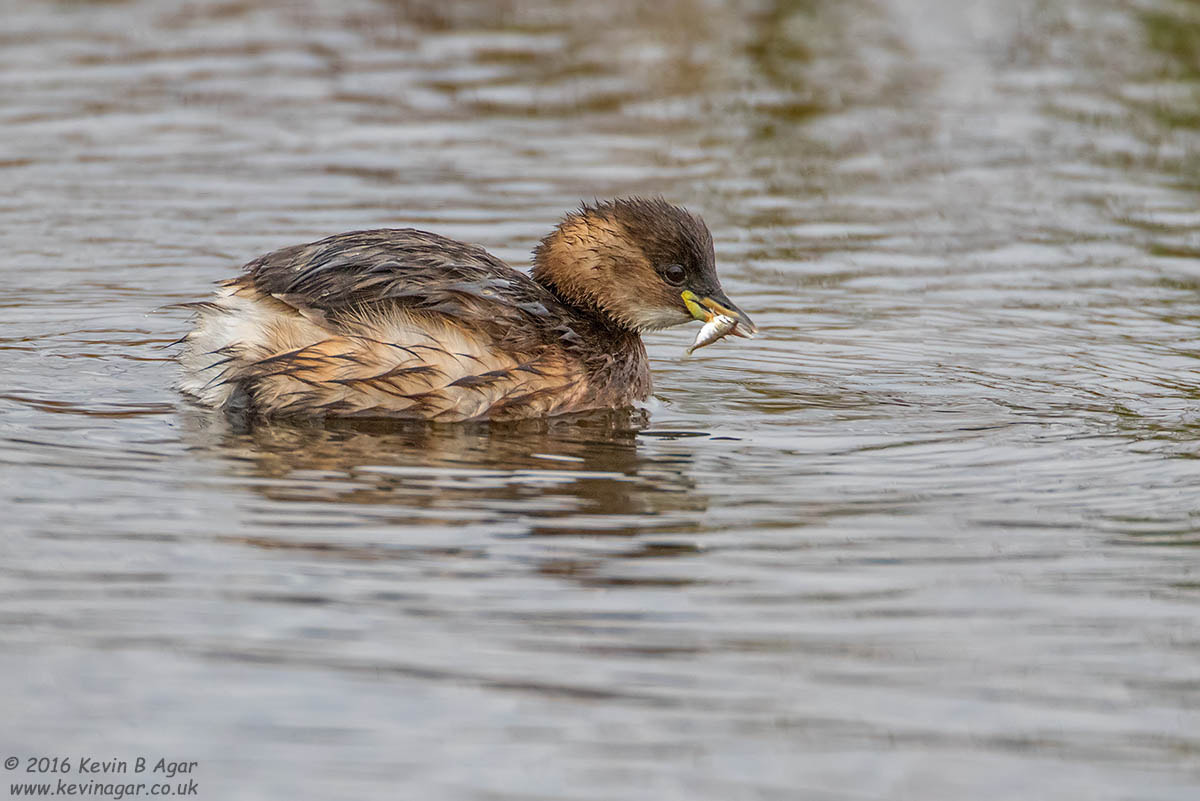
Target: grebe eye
(674,274)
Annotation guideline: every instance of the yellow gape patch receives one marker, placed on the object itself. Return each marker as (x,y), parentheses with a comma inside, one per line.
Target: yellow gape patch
(691,301)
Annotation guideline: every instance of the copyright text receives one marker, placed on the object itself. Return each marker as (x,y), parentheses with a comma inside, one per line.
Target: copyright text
(92,777)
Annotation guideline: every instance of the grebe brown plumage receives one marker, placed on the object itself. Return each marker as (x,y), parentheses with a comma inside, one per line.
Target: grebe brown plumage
(405,323)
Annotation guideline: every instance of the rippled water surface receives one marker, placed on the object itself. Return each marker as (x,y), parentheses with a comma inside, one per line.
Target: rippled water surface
(931,536)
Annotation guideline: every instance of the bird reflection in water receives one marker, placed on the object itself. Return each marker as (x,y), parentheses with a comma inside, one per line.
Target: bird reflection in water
(585,474)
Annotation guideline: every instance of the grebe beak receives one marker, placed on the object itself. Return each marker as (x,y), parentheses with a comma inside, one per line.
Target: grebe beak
(704,308)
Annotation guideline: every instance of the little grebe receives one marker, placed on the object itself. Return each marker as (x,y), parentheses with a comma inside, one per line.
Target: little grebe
(405,323)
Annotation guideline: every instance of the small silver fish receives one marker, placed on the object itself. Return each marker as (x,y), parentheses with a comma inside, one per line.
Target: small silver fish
(717,327)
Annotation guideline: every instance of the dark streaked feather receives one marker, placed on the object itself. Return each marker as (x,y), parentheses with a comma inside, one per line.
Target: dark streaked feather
(343,275)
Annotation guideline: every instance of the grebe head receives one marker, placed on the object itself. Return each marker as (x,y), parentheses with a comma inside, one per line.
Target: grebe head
(643,263)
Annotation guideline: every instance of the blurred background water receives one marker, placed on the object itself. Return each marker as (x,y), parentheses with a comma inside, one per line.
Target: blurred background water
(931,536)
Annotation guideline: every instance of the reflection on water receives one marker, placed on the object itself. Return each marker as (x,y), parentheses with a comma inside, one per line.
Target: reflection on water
(931,535)
(568,475)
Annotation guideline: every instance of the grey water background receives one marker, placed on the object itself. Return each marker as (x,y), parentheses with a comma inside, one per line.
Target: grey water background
(932,535)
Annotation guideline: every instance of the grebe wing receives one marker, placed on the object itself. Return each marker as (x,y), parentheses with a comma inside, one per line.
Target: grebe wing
(350,273)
